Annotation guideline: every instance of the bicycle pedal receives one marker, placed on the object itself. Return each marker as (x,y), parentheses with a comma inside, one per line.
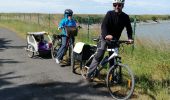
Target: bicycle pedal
(84,76)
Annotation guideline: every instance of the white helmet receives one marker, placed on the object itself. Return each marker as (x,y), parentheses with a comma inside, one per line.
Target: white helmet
(119,1)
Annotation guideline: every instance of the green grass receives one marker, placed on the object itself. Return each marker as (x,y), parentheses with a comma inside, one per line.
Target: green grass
(149,62)
(21,27)
(151,66)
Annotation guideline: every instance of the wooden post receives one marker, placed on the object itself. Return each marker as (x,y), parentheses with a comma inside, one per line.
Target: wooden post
(88,28)
(38,19)
(49,21)
(134,32)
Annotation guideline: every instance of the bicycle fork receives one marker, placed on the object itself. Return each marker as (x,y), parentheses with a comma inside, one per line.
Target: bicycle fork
(116,75)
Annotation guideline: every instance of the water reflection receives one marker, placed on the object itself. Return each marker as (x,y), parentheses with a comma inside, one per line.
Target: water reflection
(154,31)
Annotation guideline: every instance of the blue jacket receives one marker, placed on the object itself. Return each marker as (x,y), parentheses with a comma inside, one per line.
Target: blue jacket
(65,22)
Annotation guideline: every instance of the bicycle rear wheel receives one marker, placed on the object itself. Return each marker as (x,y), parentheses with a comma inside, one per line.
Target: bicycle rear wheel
(120,82)
(71,58)
(76,65)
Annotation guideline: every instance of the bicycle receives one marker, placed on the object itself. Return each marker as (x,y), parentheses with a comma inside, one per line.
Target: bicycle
(57,42)
(120,79)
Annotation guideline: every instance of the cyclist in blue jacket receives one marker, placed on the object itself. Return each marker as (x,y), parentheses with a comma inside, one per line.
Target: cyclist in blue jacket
(67,21)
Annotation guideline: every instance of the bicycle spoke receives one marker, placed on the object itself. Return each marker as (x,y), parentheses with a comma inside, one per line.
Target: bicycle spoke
(120,82)
(55,46)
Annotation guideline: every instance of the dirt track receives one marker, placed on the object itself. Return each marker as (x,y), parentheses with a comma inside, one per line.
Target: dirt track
(23,78)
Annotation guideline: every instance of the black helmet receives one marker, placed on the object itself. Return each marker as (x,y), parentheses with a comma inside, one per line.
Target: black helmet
(68,12)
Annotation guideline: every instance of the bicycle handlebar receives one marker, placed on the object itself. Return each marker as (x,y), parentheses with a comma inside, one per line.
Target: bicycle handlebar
(65,27)
(115,41)
(121,41)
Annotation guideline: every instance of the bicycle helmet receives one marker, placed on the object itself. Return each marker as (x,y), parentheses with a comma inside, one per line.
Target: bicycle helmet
(68,12)
(119,1)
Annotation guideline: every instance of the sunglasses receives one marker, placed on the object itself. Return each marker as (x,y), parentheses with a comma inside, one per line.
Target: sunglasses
(68,14)
(117,4)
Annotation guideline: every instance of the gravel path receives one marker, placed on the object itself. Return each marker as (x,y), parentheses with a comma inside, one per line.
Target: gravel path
(24,78)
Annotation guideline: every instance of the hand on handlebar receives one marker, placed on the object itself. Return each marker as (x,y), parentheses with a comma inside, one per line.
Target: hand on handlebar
(130,41)
(79,27)
(109,37)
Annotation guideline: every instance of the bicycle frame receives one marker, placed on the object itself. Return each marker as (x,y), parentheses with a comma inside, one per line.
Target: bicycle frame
(106,59)
(69,41)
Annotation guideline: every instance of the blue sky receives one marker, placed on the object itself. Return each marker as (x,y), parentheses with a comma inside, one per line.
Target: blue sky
(84,6)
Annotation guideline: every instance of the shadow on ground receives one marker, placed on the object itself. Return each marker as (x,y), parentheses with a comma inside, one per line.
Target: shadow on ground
(7,61)
(50,91)
(5,44)
(5,77)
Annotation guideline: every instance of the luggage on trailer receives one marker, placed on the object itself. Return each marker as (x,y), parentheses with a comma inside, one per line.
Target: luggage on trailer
(83,51)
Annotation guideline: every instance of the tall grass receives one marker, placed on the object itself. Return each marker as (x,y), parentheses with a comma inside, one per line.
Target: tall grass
(21,27)
(151,66)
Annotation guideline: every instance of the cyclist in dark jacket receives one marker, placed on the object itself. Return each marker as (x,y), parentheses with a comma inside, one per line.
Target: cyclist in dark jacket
(112,26)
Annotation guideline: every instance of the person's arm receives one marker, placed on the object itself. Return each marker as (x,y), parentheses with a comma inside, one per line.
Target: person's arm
(61,24)
(104,27)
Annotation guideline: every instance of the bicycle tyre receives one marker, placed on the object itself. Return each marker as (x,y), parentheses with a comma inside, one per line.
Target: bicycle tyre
(85,67)
(71,57)
(56,43)
(120,82)
(30,51)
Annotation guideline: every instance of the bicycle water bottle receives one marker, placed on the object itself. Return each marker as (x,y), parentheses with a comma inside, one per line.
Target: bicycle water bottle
(104,61)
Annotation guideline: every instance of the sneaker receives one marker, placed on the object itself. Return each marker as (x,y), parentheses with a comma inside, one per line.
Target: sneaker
(57,61)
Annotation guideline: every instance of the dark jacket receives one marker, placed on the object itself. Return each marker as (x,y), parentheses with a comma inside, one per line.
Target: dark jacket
(114,23)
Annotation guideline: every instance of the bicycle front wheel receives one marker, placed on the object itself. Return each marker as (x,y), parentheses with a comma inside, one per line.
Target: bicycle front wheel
(120,82)
(56,43)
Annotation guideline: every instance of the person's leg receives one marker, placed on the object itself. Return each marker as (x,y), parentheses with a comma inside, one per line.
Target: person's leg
(98,57)
(62,49)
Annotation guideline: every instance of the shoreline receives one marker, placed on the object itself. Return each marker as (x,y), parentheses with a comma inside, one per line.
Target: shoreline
(148,22)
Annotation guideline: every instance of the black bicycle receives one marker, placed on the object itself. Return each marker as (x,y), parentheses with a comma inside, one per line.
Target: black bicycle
(57,42)
(120,79)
